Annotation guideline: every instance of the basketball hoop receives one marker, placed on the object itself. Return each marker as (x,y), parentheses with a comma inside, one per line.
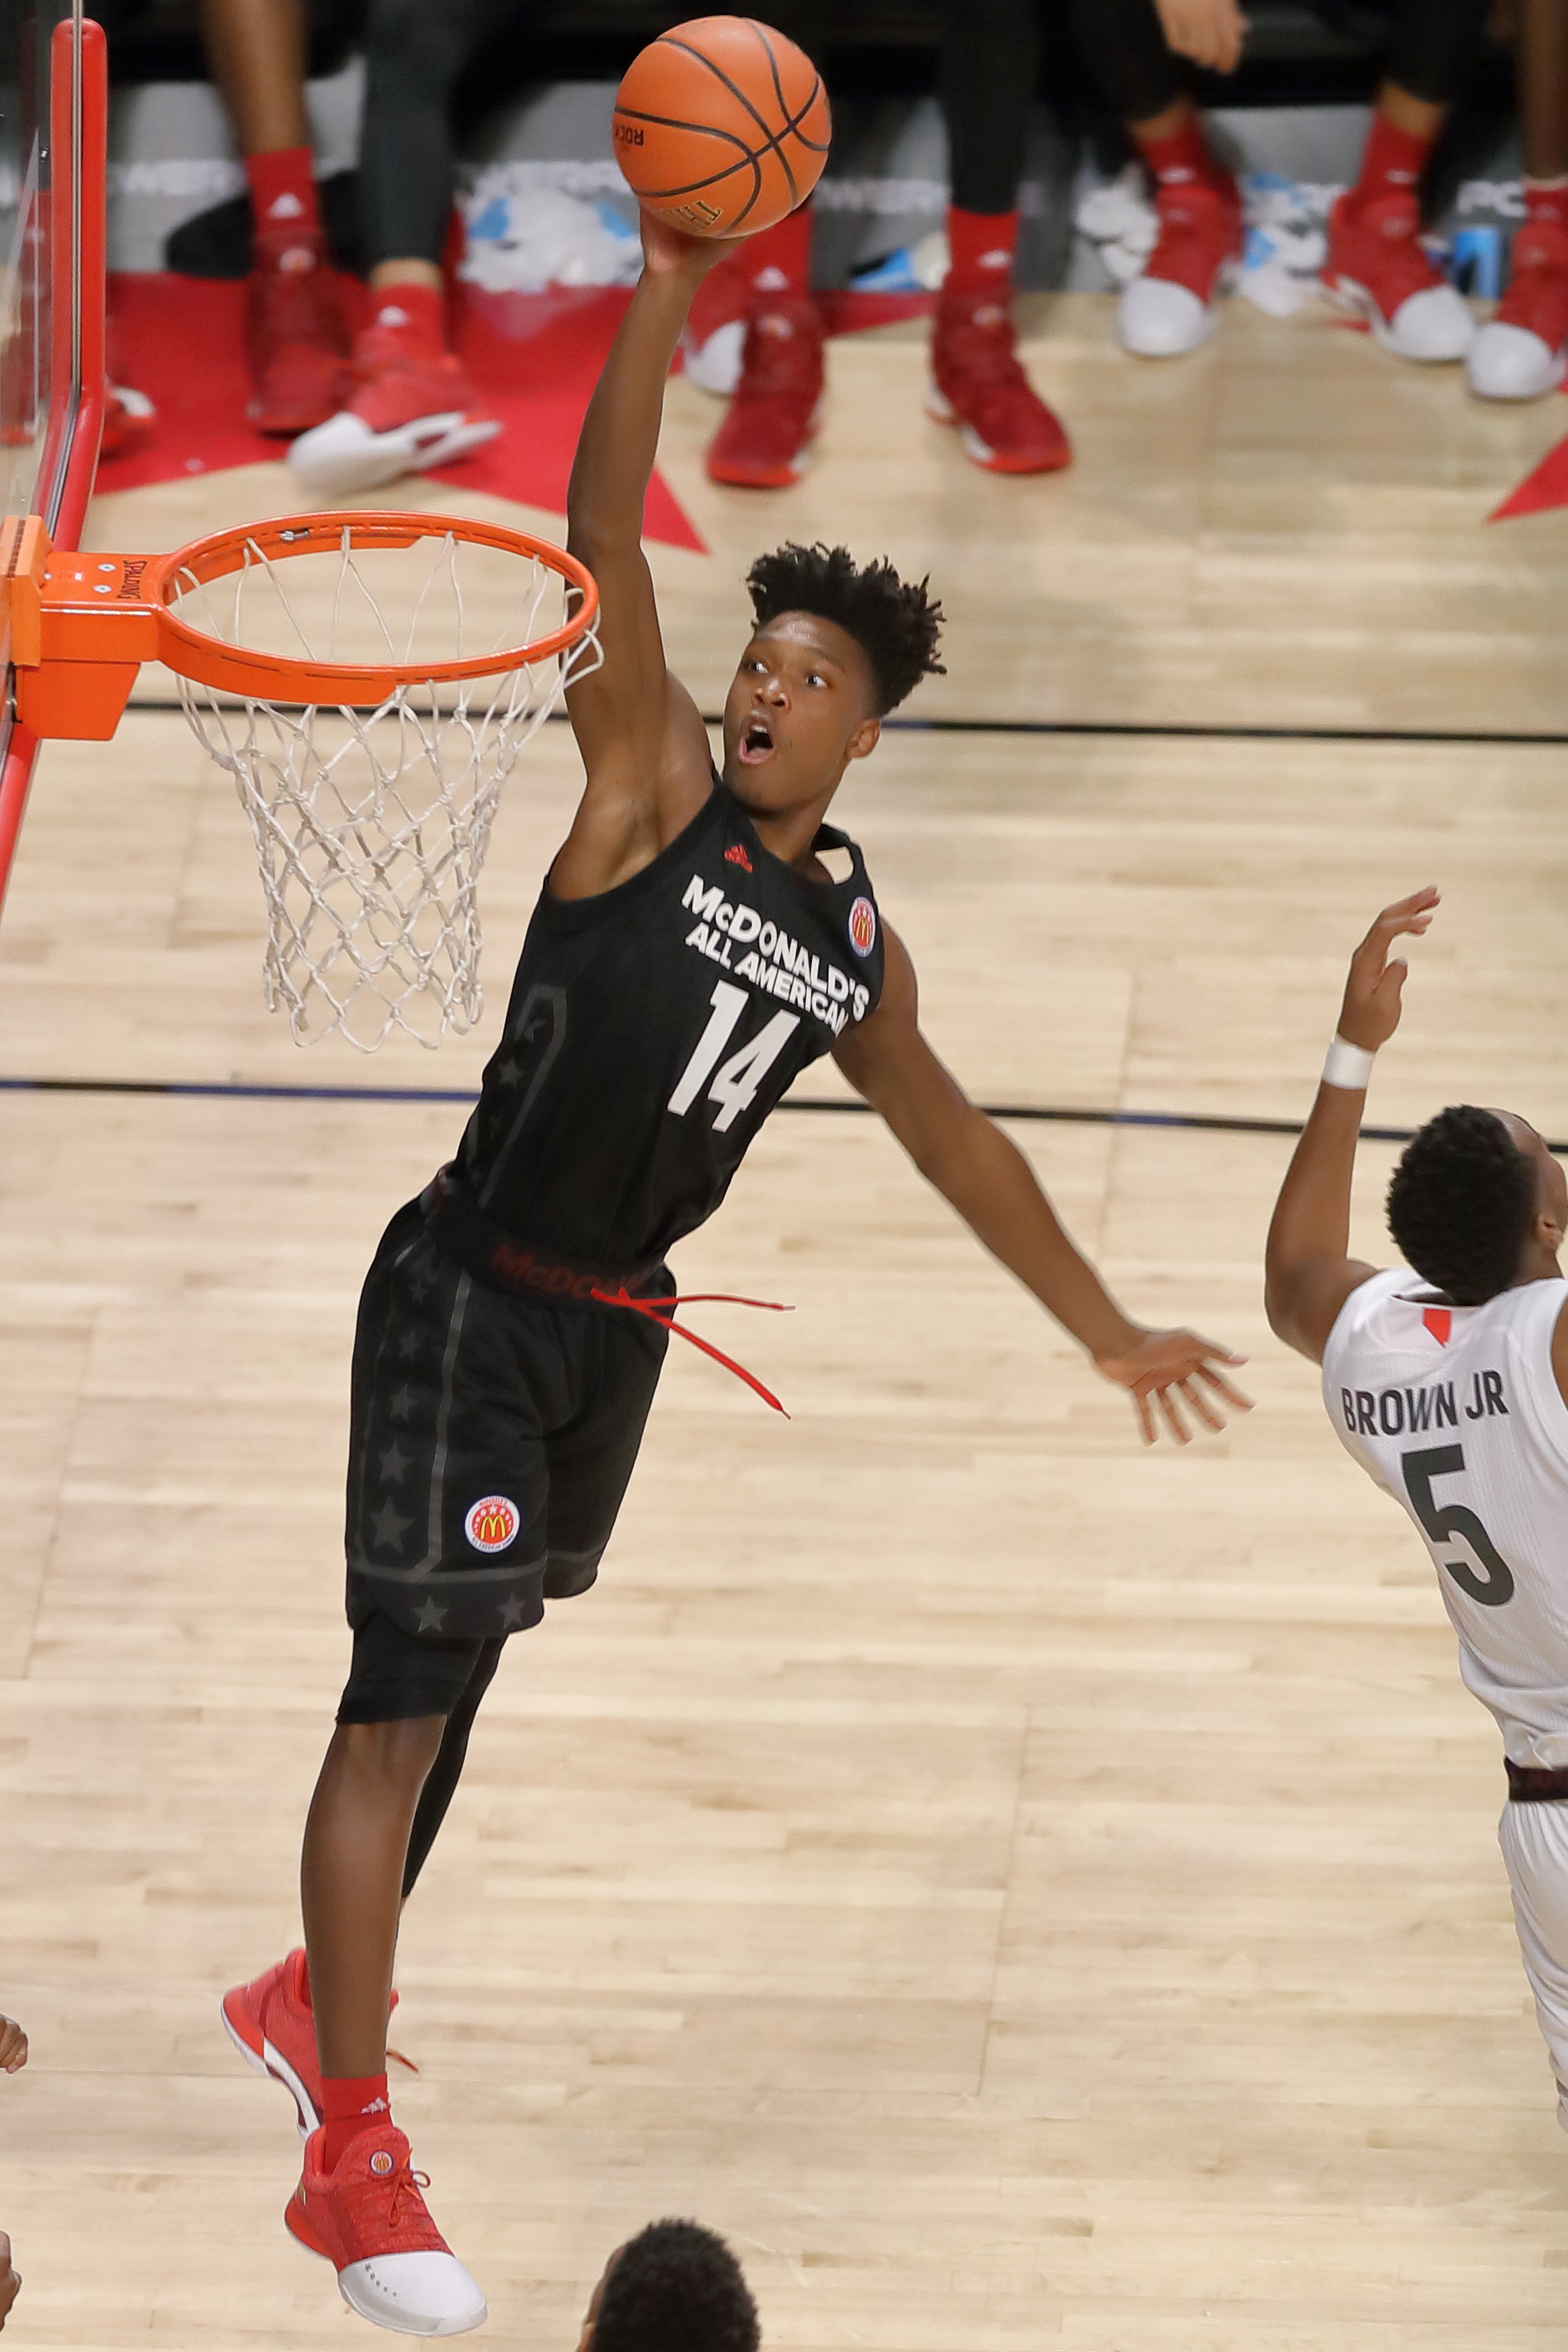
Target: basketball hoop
(369,681)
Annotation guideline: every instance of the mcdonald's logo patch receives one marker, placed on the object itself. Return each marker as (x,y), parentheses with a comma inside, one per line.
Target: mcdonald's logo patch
(862,927)
(492,1523)
(381,2162)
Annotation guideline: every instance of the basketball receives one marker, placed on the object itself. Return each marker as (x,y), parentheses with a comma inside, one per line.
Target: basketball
(722,126)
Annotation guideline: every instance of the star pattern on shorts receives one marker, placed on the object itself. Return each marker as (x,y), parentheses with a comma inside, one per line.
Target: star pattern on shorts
(408,1347)
(389,1526)
(430,1619)
(509,1072)
(512,1614)
(420,1286)
(394,1463)
(402,1404)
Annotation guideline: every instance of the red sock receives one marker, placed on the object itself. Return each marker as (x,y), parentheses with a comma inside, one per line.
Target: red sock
(980,252)
(778,259)
(348,2103)
(1184,157)
(414,312)
(283,204)
(1391,165)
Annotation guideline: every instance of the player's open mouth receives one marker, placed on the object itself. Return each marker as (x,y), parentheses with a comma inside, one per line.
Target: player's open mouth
(757,743)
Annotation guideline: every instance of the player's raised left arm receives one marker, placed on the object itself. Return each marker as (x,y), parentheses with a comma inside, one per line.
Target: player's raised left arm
(1309,1272)
(991,1184)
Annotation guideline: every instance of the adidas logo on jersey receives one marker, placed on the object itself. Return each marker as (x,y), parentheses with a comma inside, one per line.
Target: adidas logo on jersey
(736,856)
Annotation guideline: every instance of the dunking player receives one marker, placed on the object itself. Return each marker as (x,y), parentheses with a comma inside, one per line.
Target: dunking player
(690,955)
(1446,1379)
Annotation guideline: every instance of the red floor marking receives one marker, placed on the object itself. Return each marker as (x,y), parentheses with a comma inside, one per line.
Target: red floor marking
(1547,486)
(534,359)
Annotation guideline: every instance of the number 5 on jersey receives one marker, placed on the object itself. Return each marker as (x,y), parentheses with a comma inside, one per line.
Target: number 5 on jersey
(1443,1521)
(734,1087)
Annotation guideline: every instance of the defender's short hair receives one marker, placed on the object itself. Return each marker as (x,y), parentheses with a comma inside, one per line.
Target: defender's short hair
(896,625)
(676,2287)
(1461,1203)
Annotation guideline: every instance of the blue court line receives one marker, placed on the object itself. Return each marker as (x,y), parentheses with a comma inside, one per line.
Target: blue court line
(241,1090)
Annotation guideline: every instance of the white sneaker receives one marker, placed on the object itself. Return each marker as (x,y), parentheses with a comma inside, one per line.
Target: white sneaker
(1159,320)
(1511,364)
(344,456)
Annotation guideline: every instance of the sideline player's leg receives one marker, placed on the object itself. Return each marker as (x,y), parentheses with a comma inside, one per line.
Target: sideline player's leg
(1523,352)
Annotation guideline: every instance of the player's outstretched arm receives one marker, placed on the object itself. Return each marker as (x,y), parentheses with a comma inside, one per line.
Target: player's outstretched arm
(991,1184)
(641,737)
(1308,1271)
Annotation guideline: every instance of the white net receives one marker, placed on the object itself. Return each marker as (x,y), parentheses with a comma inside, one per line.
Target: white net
(372,826)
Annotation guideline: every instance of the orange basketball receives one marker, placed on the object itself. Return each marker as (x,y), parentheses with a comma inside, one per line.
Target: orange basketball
(722,126)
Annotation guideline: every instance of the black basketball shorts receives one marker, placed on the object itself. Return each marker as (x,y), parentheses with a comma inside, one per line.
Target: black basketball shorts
(491,1442)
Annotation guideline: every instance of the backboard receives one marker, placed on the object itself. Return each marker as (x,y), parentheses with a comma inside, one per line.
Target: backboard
(53,137)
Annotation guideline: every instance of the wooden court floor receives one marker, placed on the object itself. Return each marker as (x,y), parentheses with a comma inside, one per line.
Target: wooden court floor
(1024,1890)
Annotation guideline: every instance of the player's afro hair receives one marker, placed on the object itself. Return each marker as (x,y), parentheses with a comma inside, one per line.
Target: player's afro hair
(1460,1203)
(896,625)
(676,2287)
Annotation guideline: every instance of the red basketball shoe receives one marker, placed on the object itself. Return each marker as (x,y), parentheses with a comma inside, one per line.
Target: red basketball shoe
(1523,350)
(415,408)
(977,383)
(1377,266)
(297,341)
(368,2219)
(270,2022)
(760,444)
(1173,305)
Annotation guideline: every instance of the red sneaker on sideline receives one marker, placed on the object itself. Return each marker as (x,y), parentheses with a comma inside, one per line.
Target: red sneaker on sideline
(415,408)
(297,341)
(1173,305)
(1376,267)
(977,383)
(270,2022)
(1523,350)
(368,2219)
(760,444)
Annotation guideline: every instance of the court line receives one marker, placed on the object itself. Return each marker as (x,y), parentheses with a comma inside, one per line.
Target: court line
(1115,730)
(463,1097)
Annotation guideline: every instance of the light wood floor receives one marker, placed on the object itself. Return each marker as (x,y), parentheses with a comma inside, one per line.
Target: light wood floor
(1023,1889)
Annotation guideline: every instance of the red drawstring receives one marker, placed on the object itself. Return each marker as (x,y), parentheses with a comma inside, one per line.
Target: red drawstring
(662,1312)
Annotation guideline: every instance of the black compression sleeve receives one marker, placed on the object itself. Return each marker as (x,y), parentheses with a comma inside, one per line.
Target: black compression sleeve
(1124,46)
(990,63)
(1431,43)
(413,54)
(441,1780)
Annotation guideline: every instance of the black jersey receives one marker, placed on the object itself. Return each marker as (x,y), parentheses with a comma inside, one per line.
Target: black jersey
(652,1030)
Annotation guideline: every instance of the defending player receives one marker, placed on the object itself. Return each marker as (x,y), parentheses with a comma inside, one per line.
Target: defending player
(1450,1385)
(690,955)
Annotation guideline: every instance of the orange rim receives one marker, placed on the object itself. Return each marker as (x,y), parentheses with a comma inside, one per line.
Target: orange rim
(281,678)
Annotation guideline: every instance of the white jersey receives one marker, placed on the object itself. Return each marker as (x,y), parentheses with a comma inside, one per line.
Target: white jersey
(1455,1412)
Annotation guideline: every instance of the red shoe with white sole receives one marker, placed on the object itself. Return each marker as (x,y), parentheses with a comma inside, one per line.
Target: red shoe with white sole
(369,2219)
(761,446)
(1172,304)
(297,341)
(270,2022)
(1523,352)
(978,385)
(415,408)
(1376,267)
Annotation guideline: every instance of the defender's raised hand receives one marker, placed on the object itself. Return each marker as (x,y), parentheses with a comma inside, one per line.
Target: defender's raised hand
(13,2046)
(1369,1012)
(1163,1367)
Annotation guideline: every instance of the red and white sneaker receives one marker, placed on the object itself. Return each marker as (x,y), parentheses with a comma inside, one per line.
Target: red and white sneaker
(297,341)
(130,419)
(415,408)
(1376,267)
(369,2219)
(761,444)
(1523,350)
(270,2022)
(1173,305)
(977,383)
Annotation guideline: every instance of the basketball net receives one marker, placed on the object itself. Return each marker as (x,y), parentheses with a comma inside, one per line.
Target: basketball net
(371,825)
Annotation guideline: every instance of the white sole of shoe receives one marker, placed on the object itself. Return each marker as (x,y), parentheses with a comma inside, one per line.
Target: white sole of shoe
(343,458)
(1346,294)
(275,2064)
(374,2301)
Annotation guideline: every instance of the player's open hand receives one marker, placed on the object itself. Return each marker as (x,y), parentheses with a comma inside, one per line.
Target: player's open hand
(13,2046)
(1172,1374)
(668,252)
(10,2280)
(1210,32)
(1369,1012)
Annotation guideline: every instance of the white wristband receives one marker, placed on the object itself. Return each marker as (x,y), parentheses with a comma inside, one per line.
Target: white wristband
(1348,1065)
